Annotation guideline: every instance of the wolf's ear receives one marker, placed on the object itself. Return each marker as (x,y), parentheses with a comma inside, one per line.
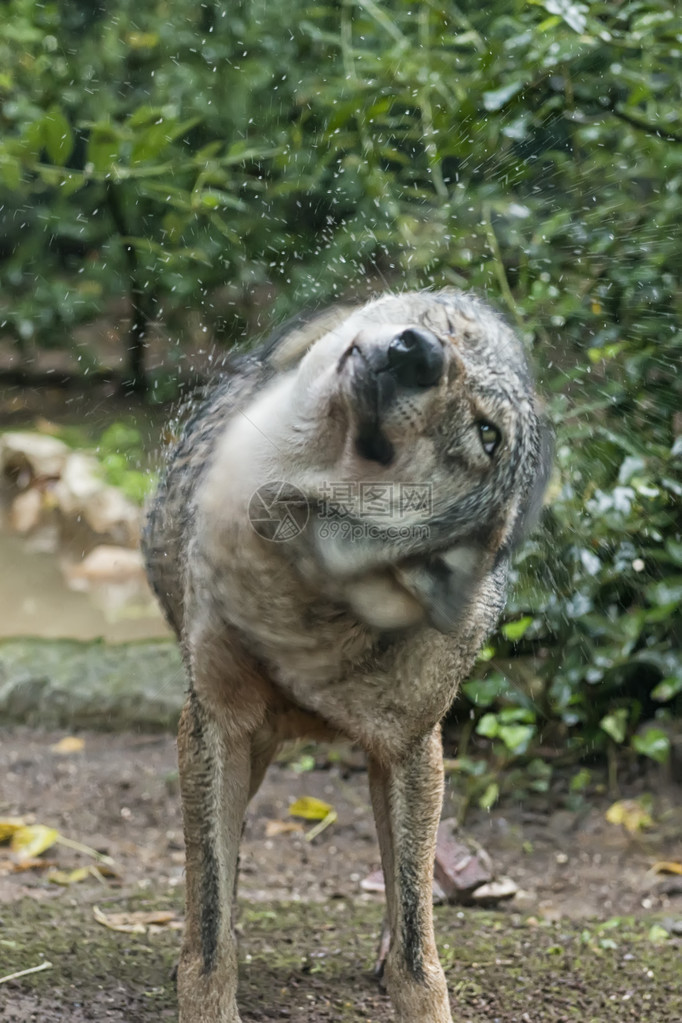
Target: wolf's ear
(531,503)
(286,346)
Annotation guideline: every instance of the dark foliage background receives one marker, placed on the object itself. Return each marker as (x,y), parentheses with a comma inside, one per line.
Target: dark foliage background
(218,166)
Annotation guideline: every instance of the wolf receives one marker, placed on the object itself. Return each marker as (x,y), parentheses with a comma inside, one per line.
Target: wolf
(331,542)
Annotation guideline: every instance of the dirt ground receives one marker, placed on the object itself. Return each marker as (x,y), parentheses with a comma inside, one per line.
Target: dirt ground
(593,932)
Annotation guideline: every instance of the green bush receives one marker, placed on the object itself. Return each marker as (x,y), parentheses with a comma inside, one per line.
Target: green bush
(121,453)
(244,161)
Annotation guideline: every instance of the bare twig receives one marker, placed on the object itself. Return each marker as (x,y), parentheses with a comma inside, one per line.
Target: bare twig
(498,264)
(321,826)
(79,847)
(649,129)
(23,973)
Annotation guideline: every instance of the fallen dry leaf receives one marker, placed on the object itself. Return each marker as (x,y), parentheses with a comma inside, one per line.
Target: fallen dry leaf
(8,825)
(667,867)
(137,922)
(67,877)
(34,863)
(274,828)
(631,813)
(172,925)
(8,866)
(310,808)
(69,744)
(101,870)
(31,841)
(28,841)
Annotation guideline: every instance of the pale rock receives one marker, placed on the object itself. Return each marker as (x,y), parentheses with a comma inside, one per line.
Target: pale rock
(25,512)
(107,564)
(36,454)
(80,480)
(495,891)
(108,512)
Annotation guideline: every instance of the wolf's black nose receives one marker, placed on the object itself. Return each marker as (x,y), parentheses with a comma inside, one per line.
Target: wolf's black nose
(415,358)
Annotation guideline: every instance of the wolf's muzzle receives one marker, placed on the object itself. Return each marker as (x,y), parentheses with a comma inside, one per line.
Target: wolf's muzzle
(416,358)
(412,360)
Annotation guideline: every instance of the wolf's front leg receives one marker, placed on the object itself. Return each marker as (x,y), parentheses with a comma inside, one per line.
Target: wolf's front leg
(214,784)
(407,798)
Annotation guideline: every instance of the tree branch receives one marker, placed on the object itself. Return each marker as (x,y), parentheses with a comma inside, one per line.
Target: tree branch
(139,298)
(649,129)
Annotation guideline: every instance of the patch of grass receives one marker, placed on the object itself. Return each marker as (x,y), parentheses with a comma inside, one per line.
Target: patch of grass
(315,960)
(86,957)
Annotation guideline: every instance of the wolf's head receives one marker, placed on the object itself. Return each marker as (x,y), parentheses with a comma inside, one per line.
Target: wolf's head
(411,448)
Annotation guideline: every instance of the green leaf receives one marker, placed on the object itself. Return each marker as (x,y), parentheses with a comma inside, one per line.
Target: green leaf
(468,765)
(144,115)
(539,775)
(596,355)
(615,724)
(658,934)
(32,140)
(572,13)
(142,40)
(484,691)
(488,726)
(217,199)
(515,630)
(667,591)
(486,653)
(58,136)
(653,743)
(516,738)
(490,796)
(510,715)
(667,688)
(69,182)
(674,549)
(10,171)
(306,762)
(580,780)
(150,140)
(103,147)
(50,174)
(495,99)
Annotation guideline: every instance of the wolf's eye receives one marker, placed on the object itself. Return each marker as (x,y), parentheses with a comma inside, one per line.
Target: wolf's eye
(490,437)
